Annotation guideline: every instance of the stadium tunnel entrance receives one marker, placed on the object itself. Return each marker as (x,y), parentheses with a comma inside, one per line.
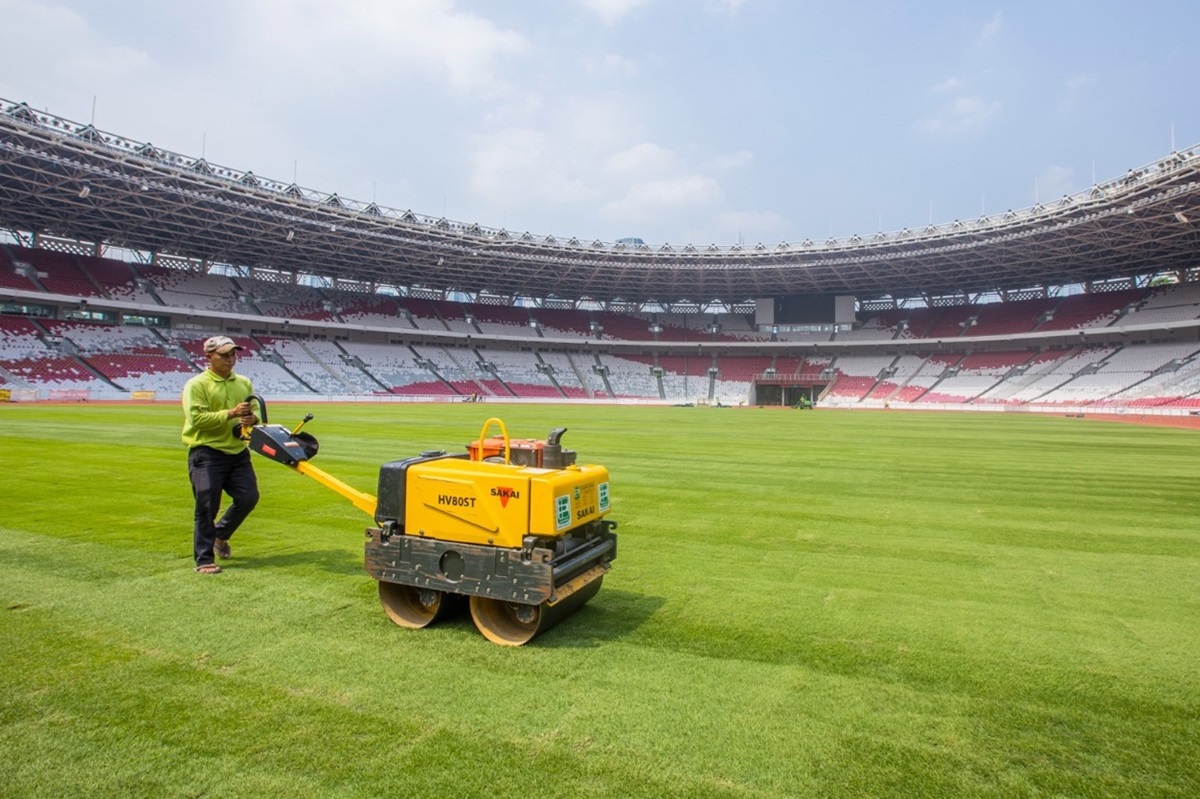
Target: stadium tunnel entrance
(787,394)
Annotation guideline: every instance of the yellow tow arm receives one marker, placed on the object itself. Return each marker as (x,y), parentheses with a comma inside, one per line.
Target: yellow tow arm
(364,502)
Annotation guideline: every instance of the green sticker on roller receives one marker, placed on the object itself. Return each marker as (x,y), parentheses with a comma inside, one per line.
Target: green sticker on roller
(562,511)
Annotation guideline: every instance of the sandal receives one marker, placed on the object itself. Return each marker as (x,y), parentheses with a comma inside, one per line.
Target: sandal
(208,568)
(221,548)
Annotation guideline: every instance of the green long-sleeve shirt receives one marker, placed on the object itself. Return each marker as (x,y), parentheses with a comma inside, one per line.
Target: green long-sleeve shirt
(207,399)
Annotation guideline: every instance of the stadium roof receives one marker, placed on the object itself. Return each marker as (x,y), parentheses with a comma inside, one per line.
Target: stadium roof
(66,179)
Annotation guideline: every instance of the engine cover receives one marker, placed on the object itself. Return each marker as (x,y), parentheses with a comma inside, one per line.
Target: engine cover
(498,504)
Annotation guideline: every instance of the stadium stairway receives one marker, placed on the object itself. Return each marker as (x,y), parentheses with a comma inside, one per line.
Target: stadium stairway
(584,377)
(550,375)
(9,380)
(442,380)
(600,369)
(32,275)
(349,359)
(268,353)
(341,380)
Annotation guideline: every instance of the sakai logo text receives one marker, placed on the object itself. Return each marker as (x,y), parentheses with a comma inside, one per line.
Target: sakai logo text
(505,494)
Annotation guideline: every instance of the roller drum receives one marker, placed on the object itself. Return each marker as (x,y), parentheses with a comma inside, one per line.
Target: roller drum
(412,607)
(515,624)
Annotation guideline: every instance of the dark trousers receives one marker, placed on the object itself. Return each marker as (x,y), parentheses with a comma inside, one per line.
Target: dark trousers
(213,472)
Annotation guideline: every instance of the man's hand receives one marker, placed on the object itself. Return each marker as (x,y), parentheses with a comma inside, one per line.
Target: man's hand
(249,420)
(243,410)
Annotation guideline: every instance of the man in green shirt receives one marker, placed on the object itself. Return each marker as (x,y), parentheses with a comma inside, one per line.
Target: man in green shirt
(215,404)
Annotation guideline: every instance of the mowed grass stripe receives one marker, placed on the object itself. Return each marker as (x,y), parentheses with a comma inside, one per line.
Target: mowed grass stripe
(804,603)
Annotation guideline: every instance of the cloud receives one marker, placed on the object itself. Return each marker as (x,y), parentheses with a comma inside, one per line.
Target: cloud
(560,155)
(961,115)
(81,58)
(520,167)
(1073,90)
(647,159)
(592,154)
(732,160)
(612,10)
(1079,82)
(1053,182)
(729,7)
(992,27)
(643,159)
(963,112)
(572,159)
(375,41)
(655,198)
(610,65)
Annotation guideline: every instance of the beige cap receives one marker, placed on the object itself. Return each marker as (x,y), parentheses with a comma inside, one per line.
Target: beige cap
(221,344)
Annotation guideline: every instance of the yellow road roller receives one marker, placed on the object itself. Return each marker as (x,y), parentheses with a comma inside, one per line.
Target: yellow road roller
(515,526)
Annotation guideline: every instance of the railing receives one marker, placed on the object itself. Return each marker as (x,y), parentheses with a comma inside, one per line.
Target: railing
(775,379)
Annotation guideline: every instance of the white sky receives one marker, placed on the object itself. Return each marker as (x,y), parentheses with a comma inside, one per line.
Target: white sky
(678,121)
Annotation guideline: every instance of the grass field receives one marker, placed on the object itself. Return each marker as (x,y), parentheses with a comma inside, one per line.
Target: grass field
(805,604)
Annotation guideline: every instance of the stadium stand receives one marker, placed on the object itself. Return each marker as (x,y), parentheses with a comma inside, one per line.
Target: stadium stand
(1009,318)
(198,292)
(876,327)
(60,273)
(857,375)
(378,311)
(950,322)
(392,365)
(11,273)
(568,324)
(113,359)
(1166,304)
(283,300)
(1089,310)
(497,320)
(977,320)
